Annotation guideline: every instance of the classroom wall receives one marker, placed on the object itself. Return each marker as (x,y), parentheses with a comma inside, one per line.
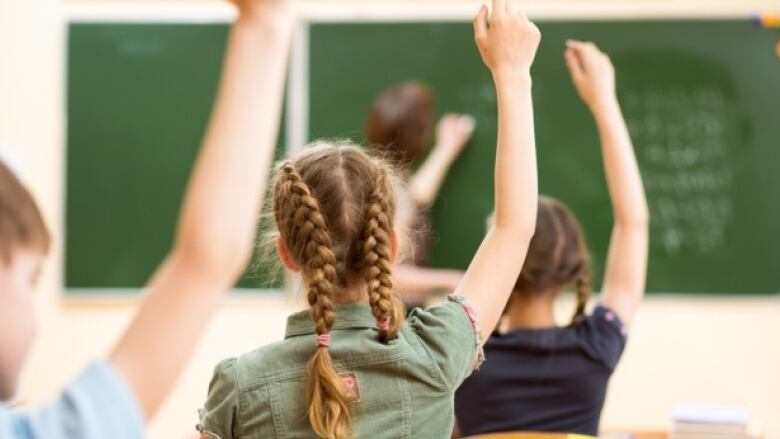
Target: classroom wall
(681,349)
(564,3)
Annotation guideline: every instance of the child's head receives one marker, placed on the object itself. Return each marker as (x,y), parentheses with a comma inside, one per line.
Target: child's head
(24,240)
(334,207)
(557,256)
(400,123)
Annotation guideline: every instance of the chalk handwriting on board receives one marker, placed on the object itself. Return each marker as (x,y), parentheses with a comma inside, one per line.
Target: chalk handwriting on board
(682,142)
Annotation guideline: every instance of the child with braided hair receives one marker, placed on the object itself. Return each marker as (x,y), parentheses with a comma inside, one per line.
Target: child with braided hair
(542,377)
(352,365)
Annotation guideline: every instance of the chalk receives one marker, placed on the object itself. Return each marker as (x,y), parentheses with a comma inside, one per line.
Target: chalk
(470,121)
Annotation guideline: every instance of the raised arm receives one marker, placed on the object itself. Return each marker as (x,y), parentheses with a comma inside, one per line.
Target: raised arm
(507,42)
(452,134)
(421,281)
(624,277)
(216,227)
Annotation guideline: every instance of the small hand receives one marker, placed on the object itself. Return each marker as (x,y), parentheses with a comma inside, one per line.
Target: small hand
(592,73)
(506,39)
(453,132)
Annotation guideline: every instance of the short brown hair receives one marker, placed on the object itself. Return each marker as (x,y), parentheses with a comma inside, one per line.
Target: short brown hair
(400,123)
(21,222)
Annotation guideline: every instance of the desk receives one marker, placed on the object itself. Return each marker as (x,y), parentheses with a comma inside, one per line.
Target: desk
(609,435)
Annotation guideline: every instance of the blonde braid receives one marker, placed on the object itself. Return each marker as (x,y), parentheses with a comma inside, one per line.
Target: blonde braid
(377,247)
(327,399)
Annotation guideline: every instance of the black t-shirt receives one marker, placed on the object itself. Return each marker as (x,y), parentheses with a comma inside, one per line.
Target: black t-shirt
(550,379)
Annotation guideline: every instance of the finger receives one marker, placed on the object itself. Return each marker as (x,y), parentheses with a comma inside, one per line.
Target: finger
(591,49)
(534,29)
(468,122)
(577,48)
(509,7)
(586,52)
(480,26)
(519,14)
(583,47)
(575,65)
(450,119)
(499,8)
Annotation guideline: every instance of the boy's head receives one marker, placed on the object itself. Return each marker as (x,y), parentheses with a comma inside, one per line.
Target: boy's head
(24,241)
(400,123)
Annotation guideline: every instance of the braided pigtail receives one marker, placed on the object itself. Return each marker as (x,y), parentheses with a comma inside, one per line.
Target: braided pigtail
(326,397)
(584,290)
(386,307)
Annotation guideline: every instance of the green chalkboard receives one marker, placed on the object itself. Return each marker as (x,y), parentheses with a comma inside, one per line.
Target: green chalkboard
(701,99)
(139,98)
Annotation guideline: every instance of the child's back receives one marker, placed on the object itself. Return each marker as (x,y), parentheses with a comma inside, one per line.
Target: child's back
(352,366)
(554,379)
(547,379)
(401,390)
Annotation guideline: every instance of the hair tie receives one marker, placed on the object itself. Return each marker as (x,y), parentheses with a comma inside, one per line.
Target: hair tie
(323,340)
(384,324)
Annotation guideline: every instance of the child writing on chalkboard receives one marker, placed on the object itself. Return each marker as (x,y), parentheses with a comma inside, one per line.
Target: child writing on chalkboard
(542,377)
(113,398)
(400,127)
(351,365)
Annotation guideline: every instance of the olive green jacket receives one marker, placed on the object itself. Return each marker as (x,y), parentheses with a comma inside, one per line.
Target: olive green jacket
(403,389)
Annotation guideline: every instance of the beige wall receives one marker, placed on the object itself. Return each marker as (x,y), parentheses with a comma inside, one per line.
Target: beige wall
(707,349)
(679,350)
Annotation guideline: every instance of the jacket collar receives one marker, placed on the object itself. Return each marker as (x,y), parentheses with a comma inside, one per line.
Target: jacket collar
(348,316)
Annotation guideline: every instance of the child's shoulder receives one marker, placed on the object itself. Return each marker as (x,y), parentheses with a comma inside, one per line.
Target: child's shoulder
(453,314)
(270,363)
(604,321)
(449,332)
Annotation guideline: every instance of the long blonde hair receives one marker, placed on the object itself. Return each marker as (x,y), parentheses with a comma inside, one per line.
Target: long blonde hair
(334,206)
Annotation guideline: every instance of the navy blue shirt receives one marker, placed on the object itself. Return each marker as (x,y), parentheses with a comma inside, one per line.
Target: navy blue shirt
(549,379)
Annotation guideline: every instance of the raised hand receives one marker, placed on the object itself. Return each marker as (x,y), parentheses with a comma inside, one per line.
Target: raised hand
(624,275)
(453,132)
(506,39)
(507,42)
(217,223)
(592,73)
